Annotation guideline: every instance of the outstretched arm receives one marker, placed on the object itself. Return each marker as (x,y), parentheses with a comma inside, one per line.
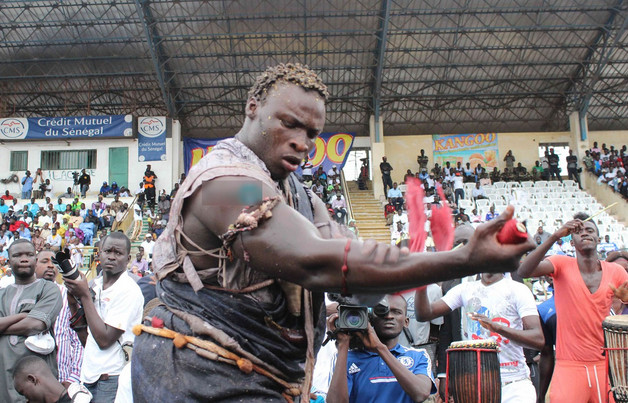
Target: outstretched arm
(426,310)
(531,336)
(288,246)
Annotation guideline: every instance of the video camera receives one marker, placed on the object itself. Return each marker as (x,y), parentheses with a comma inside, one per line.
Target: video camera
(75,177)
(354,313)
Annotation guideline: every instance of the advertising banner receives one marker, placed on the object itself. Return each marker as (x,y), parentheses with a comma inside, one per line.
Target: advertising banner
(66,128)
(151,138)
(479,148)
(330,149)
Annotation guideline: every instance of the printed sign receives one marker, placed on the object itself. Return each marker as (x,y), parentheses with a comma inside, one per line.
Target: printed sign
(64,128)
(330,149)
(151,138)
(479,148)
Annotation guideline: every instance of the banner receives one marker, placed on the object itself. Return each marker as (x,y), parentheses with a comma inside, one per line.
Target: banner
(151,138)
(479,148)
(330,149)
(65,128)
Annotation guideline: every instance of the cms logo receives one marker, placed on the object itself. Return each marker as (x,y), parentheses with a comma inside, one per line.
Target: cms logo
(13,128)
(151,127)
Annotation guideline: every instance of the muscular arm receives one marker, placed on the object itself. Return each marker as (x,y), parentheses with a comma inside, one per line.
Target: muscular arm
(104,334)
(290,247)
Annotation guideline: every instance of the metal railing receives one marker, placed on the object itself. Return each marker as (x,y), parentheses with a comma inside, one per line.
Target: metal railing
(345,190)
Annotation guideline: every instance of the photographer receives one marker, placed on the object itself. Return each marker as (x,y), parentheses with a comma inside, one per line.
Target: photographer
(382,370)
(110,315)
(84,181)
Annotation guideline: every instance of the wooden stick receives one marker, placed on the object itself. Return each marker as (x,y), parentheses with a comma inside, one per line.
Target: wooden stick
(604,209)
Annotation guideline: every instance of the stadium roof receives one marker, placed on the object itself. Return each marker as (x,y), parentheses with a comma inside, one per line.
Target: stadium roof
(432,66)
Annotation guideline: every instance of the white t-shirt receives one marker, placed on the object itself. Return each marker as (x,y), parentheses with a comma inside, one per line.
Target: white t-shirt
(121,306)
(420,331)
(506,302)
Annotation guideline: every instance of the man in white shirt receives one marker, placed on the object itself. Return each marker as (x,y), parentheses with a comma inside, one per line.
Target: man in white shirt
(340,208)
(499,309)
(54,240)
(458,184)
(148,246)
(478,192)
(116,307)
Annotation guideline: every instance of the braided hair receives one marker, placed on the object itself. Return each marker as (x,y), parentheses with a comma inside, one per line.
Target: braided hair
(294,73)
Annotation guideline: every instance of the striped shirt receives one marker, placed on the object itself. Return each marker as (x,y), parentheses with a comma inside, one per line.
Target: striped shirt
(69,347)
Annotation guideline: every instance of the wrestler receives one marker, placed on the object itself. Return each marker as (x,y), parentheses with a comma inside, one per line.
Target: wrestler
(253,281)
(584,289)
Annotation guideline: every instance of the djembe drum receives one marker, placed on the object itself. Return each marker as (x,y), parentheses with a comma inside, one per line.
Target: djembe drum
(473,372)
(616,348)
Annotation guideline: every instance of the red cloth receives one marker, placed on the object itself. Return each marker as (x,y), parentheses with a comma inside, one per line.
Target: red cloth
(16,225)
(442,224)
(416,215)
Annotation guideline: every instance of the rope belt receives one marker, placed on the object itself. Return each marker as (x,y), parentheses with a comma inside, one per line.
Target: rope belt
(212,351)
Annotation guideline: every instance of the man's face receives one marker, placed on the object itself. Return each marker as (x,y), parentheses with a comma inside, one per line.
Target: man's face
(45,268)
(22,260)
(391,325)
(286,125)
(114,256)
(587,238)
(607,239)
(138,256)
(31,388)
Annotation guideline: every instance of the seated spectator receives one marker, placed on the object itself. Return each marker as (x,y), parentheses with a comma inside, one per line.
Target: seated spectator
(479,171)
(54,240)
(6,196)
(380,358)
(89,229)
(158,228)
(389,212)
(607,246)
(333,174)
(114,188)
(124,192)
(174,191)
(340,209)
(537,171)
(83,210)
(541,235)
(45,232)
(3,207)
(33,207)
(38,241)
(495,175)
(469,174)
(320,175)
(164,207)
(116,205)
(148,246)
(507,176)
(140,264)
(402,218)
(491,213)
(105,189)
(521,173)
(394,194)
(68,194)
(478,192)
(76,204)
(462,217)
(75,219)
(475,217)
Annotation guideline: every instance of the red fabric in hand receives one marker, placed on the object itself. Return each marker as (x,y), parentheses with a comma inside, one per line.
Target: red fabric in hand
(510,234)
(416,215)
(442,224)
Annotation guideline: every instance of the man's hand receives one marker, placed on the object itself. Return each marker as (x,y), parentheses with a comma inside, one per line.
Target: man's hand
(621,292)
(370,340)
(487,255)
(486,322)
(78,288)
(570,227)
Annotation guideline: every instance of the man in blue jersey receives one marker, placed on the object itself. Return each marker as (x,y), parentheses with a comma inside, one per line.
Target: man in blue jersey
(384,370)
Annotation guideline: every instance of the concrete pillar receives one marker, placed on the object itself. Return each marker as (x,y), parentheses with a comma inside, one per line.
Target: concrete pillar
(578,145)
(378,150)
(177,152)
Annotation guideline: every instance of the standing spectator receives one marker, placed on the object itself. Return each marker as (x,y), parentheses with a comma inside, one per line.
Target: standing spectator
(164,207)
(69,347)
(458,187)
(588,161)
(84,181)
(385,169)
(554,170)
(110,316)
(422,159)
(572,168)
(395,196)
(28,307)
(149,186)
(141,195)
(545,165)
(27,186)
(510,160)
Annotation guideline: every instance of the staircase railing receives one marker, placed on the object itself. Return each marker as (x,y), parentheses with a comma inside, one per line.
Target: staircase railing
(345,190)
(127,220)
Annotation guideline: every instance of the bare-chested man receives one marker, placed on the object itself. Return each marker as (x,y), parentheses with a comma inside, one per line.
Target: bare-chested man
(253,282)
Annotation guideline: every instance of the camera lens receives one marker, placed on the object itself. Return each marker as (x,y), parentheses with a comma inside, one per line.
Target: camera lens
(354,319)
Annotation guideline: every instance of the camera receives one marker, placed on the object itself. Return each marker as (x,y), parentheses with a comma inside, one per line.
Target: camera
(63,260)
(75,176)
(355,316)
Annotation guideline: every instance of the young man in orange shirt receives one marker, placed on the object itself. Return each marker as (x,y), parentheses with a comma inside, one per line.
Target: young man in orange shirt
(584,289)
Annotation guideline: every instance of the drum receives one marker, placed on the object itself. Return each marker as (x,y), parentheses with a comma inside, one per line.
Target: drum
(473,372)
(616,347)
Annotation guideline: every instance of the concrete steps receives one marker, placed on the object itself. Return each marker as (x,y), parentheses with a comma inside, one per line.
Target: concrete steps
(368,213)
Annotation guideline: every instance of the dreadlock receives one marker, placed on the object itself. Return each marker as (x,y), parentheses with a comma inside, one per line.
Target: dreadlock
(291,73)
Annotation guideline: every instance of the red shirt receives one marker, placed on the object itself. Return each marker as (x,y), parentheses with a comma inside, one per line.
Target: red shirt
(5,197)
(579,313)
(16,226)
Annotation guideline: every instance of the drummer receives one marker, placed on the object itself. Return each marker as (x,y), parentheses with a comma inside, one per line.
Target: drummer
(584,288)
(499,309)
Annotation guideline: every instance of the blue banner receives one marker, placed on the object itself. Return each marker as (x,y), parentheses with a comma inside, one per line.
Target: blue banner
(65,128)
(151,138)
(330,149)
